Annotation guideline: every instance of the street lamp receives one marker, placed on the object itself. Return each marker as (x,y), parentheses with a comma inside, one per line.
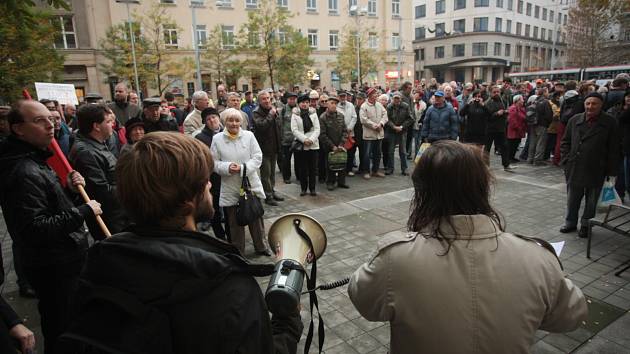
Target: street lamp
(356,12)
(133,41)
(193,5)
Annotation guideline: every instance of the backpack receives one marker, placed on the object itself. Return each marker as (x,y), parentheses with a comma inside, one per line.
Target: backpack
(531,117)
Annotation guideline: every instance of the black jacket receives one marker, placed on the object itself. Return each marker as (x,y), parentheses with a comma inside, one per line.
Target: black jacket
(206,135)
(267,130)
(496,122)
(544,114)
(399,115)
(97,165)
(476,118)
(164,124)
(40,216)
(590,153)
(332,129)
(166,291)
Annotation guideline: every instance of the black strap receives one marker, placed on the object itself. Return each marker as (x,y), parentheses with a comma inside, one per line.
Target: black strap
(544,244)
(310,284)
(245,182)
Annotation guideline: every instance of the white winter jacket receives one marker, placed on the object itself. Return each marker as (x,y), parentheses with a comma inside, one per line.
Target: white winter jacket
(297,128)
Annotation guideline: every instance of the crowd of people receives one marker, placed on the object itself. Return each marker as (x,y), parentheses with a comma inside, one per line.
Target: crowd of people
(156,166)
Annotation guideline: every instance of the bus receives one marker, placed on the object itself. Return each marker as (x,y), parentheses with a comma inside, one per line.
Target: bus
(577,74)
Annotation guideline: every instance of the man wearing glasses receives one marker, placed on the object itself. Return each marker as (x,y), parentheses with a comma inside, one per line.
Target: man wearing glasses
(41,217)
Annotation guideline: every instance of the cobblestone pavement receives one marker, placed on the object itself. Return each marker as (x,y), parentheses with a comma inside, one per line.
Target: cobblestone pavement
(533,203)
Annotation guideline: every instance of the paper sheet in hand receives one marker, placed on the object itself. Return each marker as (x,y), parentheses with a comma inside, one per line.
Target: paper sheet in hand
(558,246)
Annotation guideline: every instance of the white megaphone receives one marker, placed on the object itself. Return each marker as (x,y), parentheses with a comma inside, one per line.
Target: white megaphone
(297,240)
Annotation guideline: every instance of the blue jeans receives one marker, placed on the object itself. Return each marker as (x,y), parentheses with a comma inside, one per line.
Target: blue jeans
(574,199)
(400,140)
(372,152)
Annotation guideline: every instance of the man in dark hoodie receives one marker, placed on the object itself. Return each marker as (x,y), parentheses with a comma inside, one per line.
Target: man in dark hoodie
(41,217)
(122,108)
(163,287)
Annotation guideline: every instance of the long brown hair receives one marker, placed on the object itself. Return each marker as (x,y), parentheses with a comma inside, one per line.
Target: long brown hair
(450,179)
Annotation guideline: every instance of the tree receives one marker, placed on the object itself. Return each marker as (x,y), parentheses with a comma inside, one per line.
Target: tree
(219,58)
(26,53)
(589,30)
(346,63)
(25,10)
(267,36)
(156,63)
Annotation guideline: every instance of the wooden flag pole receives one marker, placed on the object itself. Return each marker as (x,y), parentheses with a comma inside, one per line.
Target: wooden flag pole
(99,220)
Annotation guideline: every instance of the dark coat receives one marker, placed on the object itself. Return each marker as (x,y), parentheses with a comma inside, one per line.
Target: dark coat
(544,114)
(40,216)
(124,111)
(590,153)
(358,128)
(287,134)
(399,115)
(164,124)
(97,165)
(267,130)
(176,292)
(496,123)
(206,135)
(332,130)
(475,121)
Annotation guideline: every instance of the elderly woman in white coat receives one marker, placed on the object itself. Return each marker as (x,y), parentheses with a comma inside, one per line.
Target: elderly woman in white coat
(305,129)
(232,149)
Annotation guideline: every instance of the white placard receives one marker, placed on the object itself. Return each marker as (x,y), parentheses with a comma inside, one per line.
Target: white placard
(558,246)
(63,93)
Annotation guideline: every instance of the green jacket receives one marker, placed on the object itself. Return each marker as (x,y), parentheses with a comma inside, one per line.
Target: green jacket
(332,130)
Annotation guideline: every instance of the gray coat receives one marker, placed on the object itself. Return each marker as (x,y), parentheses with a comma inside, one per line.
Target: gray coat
(590,153)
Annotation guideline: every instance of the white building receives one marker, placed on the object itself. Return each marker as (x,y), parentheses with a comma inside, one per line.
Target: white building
(481,40)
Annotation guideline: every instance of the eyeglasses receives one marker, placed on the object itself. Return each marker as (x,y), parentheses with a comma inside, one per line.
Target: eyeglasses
(42,121)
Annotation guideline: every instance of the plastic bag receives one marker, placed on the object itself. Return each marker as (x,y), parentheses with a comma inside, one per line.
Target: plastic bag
(421,150)
(608,195)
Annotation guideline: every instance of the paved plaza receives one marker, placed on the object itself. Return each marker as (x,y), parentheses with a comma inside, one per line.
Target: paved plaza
(532,200)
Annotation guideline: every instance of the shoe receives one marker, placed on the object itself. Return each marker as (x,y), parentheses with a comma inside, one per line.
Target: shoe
(378,174)
(515,160)
(388,172)
(367,176)
(330,187)
(302,193)
(350,174)
(404,173)
(540,163)
(344,186)
(276,197)
(509,168)
(313,194)
(566,229)
(270,201)
(583,233)
(27,292)
(409,157)
(265,252)
(287,181)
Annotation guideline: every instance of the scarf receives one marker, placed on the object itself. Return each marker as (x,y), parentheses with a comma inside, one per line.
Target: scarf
(306,120)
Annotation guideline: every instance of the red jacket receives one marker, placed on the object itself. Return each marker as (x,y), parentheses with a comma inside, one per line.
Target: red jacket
(517,127)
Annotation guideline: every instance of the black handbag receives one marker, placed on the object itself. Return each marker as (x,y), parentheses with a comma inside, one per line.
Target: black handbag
(249,208)
(297,145)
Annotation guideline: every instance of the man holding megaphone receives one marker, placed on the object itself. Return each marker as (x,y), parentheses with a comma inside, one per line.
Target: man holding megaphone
(161,286)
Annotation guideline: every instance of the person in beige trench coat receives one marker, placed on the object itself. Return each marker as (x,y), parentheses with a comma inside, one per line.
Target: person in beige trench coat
(456,283)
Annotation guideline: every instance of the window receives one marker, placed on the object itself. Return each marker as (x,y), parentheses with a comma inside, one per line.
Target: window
(395,41)
(535,35)
(311,5)
(482,3)
(459,26)
(479,49)
(224,3)
(498,24)
(497,49)
(544,14)
(421,53)
(395,7)
(459,50)
(508,26)
(537,11)
(459,4)
(543,33)
(559,18)
(282,37)
(519,9)
(228,37)
(167,1)
(500,3)
(333,6)
(251,4)
(550,35)
(283,3)
(421,11)
(519,51)
(510,5)
(65,37)
(551,13)
(440,7)
(519,27)
(197,2)
(439,52)
(480,24)
(333,40)
(170,36)
(352,3)
(312,38)
(372,40)
(564,19)
(440,29)
(421,33)
(558,36)
(508,49)
(371,7)
(202,36)
(253,38)
(527,27)
(528,9)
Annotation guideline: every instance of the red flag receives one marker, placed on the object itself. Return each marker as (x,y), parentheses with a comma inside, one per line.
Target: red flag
(59,163)
(26,95)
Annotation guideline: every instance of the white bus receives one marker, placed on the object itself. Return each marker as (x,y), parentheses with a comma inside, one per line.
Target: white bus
(577,74)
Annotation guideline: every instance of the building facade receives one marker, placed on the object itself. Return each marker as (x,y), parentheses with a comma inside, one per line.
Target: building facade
(482,40)
(322,21)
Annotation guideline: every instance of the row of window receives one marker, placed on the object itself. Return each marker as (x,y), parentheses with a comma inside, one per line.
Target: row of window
(547,15)
(478,49)
(311,5)
(480,24)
